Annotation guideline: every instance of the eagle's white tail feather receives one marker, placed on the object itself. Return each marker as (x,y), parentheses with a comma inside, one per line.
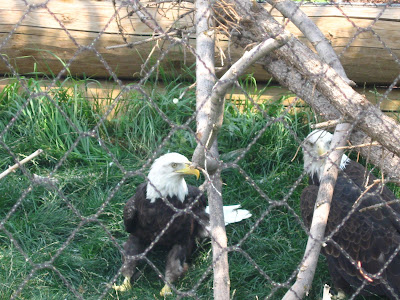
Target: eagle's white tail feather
(233,213)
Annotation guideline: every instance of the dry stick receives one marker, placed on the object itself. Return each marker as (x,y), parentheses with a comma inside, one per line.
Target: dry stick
(205,78)
(330,123)
(20,163)
(379,156)
(219,240)
(320,217)
(292,11)
(376,206)
(358,146)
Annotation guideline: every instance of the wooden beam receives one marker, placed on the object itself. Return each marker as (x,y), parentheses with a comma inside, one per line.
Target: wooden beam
(45,39)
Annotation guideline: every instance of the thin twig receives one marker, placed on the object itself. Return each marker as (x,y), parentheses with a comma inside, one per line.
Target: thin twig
(20,163)
(154,38)
(359,146)
(375,206)
(330,123)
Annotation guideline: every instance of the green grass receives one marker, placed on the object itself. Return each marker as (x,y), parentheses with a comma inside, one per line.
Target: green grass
(44,221)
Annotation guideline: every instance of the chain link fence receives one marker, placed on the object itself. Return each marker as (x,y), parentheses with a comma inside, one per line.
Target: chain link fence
(61,227)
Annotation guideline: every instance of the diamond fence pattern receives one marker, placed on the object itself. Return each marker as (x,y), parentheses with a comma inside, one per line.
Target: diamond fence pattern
(258,242)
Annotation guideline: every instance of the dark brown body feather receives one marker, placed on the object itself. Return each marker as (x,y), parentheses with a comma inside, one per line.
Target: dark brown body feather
(369,236)
(145,221)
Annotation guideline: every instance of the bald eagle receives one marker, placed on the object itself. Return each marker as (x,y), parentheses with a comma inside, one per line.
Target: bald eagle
(369,238)
(159,203)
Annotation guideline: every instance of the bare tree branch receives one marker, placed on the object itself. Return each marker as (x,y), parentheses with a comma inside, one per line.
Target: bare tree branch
(217,97)
(320,216)
(205,78)
(330,123)
(359,146)
(218,235)
(168,1)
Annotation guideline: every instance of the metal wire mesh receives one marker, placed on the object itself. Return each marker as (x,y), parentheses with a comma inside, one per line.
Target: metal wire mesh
(85,221)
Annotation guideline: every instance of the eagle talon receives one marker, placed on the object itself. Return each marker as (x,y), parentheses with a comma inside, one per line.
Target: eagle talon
(126,285)
(165,291)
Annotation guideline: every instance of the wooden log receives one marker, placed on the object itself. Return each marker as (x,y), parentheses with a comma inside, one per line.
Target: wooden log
(43,39)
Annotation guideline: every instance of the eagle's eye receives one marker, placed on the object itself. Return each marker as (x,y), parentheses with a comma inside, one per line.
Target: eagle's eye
(174,165)
(307,143)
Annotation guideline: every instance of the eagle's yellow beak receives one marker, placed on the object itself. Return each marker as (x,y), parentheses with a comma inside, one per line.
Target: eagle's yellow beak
(321,148)
(189,170)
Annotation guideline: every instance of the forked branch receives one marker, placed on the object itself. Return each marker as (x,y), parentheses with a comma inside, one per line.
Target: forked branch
(216,99)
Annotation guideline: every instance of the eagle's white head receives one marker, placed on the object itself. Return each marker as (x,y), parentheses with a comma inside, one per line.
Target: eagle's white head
(315,147)
(166,177)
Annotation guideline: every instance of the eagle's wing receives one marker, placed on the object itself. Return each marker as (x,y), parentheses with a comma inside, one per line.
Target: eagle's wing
(369,236)
(131,207)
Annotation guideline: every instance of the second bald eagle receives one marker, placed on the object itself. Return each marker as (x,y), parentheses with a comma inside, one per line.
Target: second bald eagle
(364,248)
